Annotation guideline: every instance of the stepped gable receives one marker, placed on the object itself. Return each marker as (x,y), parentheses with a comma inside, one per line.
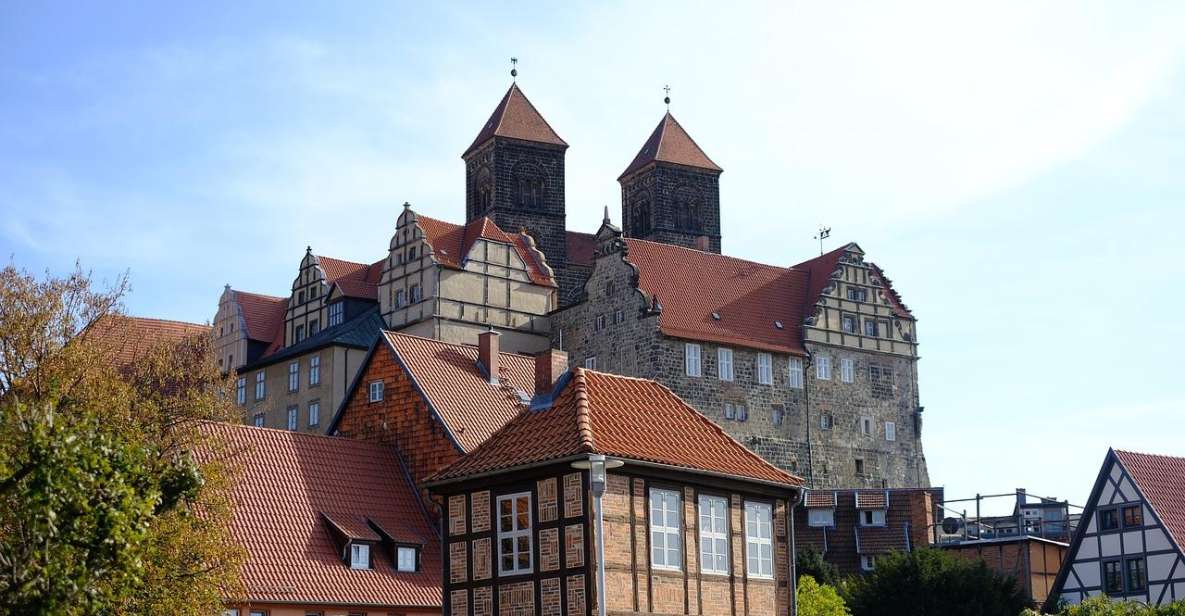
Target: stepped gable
(451,243)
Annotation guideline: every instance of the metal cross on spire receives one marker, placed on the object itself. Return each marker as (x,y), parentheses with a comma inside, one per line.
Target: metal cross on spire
(667,99)
(514,69)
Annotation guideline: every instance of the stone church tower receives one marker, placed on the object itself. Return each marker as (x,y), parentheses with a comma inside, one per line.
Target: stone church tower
(670,193)
(514,173)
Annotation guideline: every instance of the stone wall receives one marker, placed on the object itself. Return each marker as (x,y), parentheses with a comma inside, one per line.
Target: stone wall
(669,186)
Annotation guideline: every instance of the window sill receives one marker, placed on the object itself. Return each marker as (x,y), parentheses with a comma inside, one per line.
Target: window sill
(759,578)
(665,569)
(718,574)
(511,574)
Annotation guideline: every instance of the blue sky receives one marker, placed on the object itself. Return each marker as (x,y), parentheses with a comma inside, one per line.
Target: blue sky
(1017,169)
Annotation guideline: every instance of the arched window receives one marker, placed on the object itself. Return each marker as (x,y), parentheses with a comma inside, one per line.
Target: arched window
(640,217)
(531,186)
(688,214)
(485,192)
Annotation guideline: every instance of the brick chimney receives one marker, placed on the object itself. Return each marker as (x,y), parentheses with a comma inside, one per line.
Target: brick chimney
(487,353)
(549,365)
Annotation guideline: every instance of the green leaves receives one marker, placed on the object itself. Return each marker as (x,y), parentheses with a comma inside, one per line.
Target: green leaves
(1104,606)
(928,582)
(815,599)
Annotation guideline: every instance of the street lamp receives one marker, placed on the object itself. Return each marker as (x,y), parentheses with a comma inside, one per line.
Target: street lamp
(597,465)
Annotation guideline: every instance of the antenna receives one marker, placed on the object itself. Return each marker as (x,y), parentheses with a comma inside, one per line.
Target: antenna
(514,69)
(824,233)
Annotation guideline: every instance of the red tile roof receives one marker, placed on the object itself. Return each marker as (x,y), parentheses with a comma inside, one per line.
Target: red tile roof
(1162,481)
(582,247)
(515,117)
(872,499)
(448,376)
(451,243)
(263,315)
(874,540)
(750,298)
(128,339)
(669,143)
(357,280)
(288,481)
(819,499)
(622,417)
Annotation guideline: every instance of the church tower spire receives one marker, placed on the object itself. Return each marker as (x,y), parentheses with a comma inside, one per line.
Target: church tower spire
(514,173)
(670,192)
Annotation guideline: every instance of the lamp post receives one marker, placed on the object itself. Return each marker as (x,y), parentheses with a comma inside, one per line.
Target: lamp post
(597,465)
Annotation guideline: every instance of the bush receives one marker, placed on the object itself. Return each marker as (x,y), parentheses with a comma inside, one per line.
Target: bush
(1104,606)
(930,582)
(810,562)
(815,599)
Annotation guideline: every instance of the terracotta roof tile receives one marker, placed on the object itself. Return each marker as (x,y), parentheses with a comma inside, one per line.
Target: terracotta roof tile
(874,540)
(289,481)
(819,499)
(447,374)
(669,143)
(515,117)
(129,339)
(263,315)
(357,280)
(451,243)
(872,499)
(635,419)
(1161,479)
(582,247)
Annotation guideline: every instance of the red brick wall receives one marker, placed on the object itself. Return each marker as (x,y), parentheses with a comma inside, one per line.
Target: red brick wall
(401,419)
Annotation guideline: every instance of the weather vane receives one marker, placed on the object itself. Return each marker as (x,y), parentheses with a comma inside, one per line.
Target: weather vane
(667,99)
(824,233)
(514,69)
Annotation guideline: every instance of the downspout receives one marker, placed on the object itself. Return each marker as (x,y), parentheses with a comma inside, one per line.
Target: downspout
(810,456)
(794,502)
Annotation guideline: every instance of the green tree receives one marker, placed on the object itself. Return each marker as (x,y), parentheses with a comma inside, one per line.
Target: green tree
(815,599)
(810,562)
(929,582)
(103,507)
(1104,606)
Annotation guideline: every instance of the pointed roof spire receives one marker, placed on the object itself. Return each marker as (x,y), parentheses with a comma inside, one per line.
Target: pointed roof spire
(516,118)
(606,217)
(669,143)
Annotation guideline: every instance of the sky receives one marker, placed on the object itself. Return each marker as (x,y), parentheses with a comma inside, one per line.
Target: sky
(1017,168)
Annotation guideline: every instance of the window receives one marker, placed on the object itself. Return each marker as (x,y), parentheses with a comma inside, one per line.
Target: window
(241,390)
(337,313)
(590,362)
(1137,575)
(294,376)
(314,327)
(619,317)
(399,298)
(691,354)
(866,426)
(867,562)
(665,535)
(778,414)
(411,254)
(713,534)
(600,322)
(300,297)
(258,419)
(823,368)
(825,421)
(359,556)
(820,517)
(849,324)
(260,387)
(514,534)
(759,545)
(729,412)
(847,370)
(314,412)
(765,369)
(794,378)
(856,294)
(724,358)
(742,412)
(292,412)
(890,431)
(1112,578)
(872,517)
(414,295)
(314,371)
(881,381)
(376,391)
(1133,515)
(859,466)
(299,335)
(1108,519)
(870,328)
(738,412)
(314,291)
(405,559)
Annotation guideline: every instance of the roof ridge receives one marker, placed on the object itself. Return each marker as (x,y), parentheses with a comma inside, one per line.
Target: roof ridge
(583,411)
(279,298)
(1149,455)
(709,253)
(156,320)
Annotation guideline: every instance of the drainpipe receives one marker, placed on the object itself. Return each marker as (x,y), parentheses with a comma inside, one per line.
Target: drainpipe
(794,502)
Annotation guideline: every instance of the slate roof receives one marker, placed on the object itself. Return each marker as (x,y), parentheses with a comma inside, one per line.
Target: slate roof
(451,244)
(515,117)
(622,417)
(669,143)
(458,391)
(1161,479)
(290,481)
(359,332)
(129,339)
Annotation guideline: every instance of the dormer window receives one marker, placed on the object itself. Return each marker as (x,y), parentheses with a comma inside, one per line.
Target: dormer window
(359,556)
(406,559)
(337,313)
(872,517)
(819,518)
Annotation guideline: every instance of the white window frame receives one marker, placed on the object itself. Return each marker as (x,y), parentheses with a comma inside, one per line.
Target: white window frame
(669,532)
(314,370)
(260,385)
(405,551)
(294,376)
(890,431)
(590,362)
(710,539)
(314,409)
(765,369)
(816,519)
(241,390)
(359,556)
(874,520)
(794,373)
(293,417)
(847,370)
(691,359)
(724,364)
(515,533)
(867,562)
(375,391)
(758,518)
(823,368)
(259,420)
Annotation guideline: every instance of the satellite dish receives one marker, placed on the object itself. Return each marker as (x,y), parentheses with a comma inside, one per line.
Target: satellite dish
(951,526)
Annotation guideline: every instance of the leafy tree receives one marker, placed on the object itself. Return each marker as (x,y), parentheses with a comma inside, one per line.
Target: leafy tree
(810,562)
(1104,606)
(103,507)
(929,582)
(815,599)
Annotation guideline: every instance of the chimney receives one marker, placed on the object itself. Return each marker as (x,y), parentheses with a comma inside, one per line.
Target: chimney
(549,365)
(487,353)
(1021,497)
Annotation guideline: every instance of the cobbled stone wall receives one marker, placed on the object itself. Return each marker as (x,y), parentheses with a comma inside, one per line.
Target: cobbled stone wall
(667,187)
